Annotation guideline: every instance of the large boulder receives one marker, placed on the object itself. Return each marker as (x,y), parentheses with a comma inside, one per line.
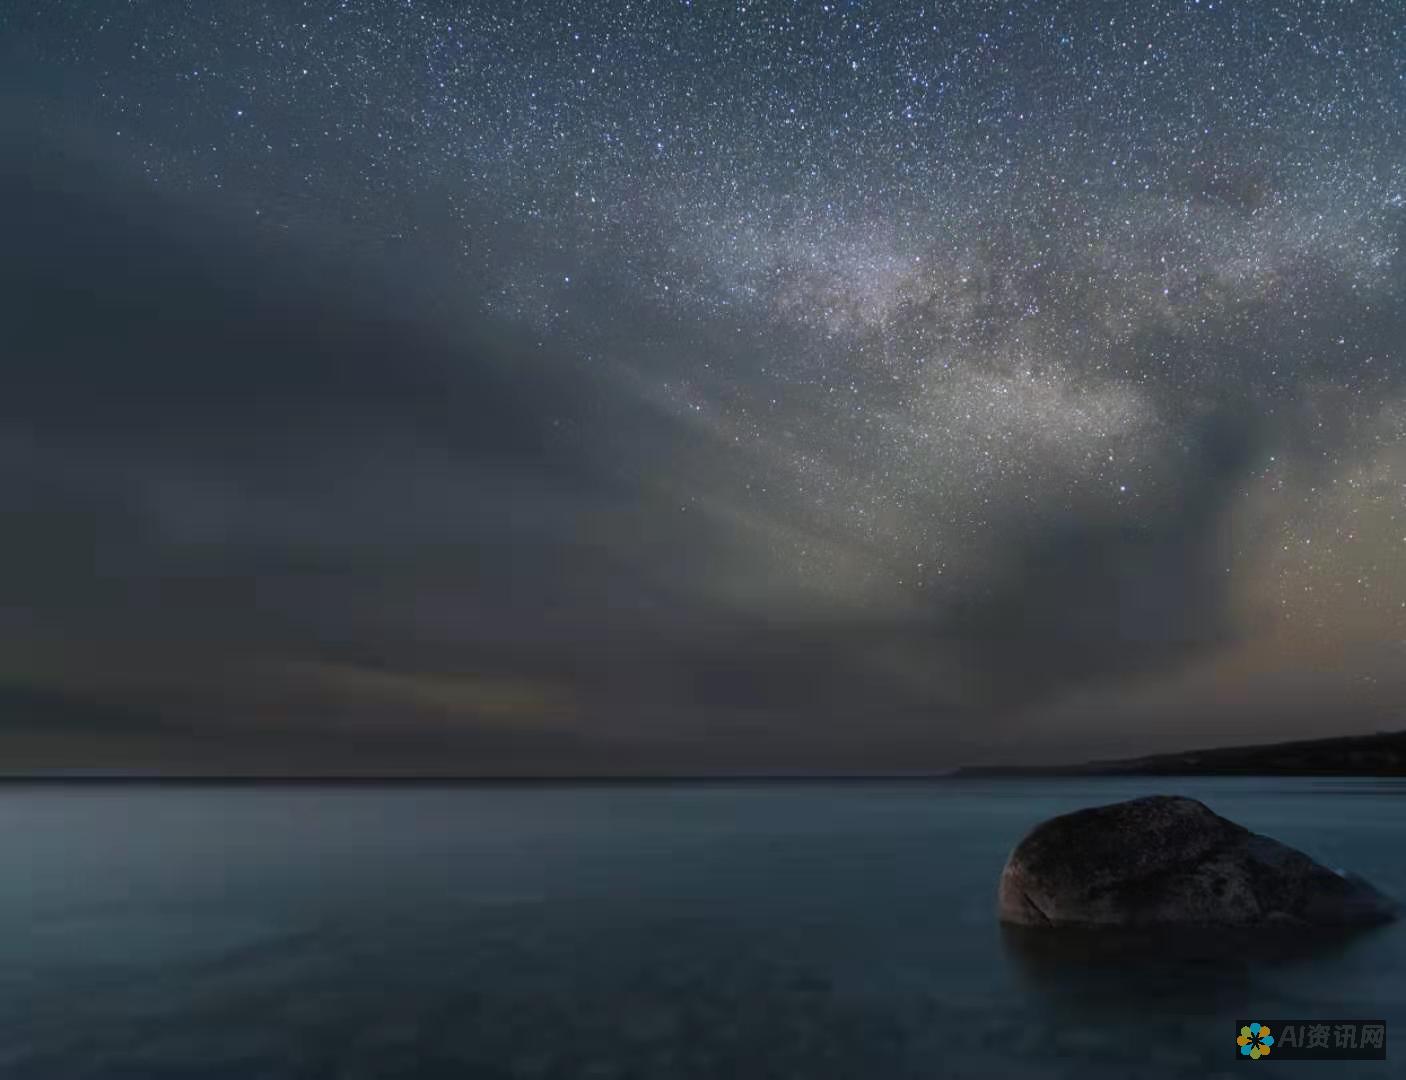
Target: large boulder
(1170,861)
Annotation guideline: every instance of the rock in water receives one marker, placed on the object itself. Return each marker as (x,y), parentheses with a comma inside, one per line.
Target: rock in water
(1169,861)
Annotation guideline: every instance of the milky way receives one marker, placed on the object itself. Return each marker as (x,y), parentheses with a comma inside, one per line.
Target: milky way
(868,384)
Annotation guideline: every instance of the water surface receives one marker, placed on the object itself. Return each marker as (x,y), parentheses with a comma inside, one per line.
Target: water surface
(725,930)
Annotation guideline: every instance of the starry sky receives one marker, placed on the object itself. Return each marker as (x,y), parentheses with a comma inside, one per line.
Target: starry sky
(608,386)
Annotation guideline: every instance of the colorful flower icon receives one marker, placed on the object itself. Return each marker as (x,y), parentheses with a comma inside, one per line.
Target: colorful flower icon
(1254,1041)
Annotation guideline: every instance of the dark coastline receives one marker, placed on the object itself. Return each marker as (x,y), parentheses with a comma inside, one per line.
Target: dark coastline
(1382,754)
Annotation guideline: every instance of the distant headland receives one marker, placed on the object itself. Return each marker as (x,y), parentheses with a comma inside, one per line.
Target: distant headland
(1382,754)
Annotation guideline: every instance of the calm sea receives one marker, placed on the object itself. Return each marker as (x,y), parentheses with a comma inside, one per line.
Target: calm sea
(746,930)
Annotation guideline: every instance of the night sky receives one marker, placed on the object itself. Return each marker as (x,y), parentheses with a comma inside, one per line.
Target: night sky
(593,386)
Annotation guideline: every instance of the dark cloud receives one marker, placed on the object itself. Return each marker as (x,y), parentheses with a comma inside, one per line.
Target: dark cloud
(134,322)
(1093,597)
(29,709)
